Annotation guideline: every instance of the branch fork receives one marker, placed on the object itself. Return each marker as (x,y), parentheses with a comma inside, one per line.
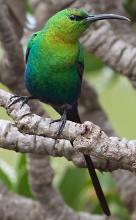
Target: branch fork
(75,139)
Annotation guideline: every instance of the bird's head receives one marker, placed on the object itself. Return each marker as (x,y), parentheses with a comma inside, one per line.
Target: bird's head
(69,24)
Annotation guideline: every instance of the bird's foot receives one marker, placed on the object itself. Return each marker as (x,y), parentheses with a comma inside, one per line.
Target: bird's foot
(23,99)
(62,121)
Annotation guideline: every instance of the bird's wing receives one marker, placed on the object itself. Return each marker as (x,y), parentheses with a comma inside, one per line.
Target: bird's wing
(30,43)
(80,62)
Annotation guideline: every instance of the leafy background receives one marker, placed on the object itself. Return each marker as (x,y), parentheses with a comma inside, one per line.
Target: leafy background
(118,100)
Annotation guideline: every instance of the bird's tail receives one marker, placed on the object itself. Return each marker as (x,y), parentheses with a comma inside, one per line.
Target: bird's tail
(74,116)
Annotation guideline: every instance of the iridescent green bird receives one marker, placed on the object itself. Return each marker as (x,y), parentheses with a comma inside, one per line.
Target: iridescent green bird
(54,69)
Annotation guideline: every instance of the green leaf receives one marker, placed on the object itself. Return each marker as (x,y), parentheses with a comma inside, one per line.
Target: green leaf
(72,186)
(21,162)
(7,174)
(5,179)
(22,186)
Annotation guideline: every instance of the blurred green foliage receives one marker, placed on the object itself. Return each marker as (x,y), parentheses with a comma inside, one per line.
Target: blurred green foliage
(27,7)
(22,183)
(128,5)
(73,192)
(92,63)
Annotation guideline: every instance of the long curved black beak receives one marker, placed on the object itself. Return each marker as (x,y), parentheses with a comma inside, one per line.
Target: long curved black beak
(93,18)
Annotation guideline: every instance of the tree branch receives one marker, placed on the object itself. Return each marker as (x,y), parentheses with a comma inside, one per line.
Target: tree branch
(16,207)
(86,138)
(12,46)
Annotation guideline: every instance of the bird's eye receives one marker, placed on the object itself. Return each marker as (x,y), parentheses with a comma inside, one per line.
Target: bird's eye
(72,17)
(75,18)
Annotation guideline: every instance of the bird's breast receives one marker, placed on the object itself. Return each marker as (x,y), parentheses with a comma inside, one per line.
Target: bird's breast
(51,73)
(59,54)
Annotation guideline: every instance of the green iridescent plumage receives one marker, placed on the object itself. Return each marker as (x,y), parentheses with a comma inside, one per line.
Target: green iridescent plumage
(54,68)
(51,73)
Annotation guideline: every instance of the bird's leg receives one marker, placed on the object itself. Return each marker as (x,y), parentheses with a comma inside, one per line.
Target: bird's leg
(62,121)
(23,99)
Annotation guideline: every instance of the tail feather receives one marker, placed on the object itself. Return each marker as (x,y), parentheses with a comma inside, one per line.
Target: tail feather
(74,116)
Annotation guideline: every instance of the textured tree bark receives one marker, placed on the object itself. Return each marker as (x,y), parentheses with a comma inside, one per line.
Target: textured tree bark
(16,207)
(88,139)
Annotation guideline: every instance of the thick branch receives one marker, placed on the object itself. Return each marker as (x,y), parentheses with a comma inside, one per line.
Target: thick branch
(11,44)
(87,138)
(16,207)
(115,52)
(123,30)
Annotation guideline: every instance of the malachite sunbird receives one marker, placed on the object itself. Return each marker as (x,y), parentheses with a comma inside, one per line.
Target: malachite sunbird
(54,70)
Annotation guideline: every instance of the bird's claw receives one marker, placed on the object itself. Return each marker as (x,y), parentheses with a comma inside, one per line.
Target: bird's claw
(23,99)
(62,121)
(14,96)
